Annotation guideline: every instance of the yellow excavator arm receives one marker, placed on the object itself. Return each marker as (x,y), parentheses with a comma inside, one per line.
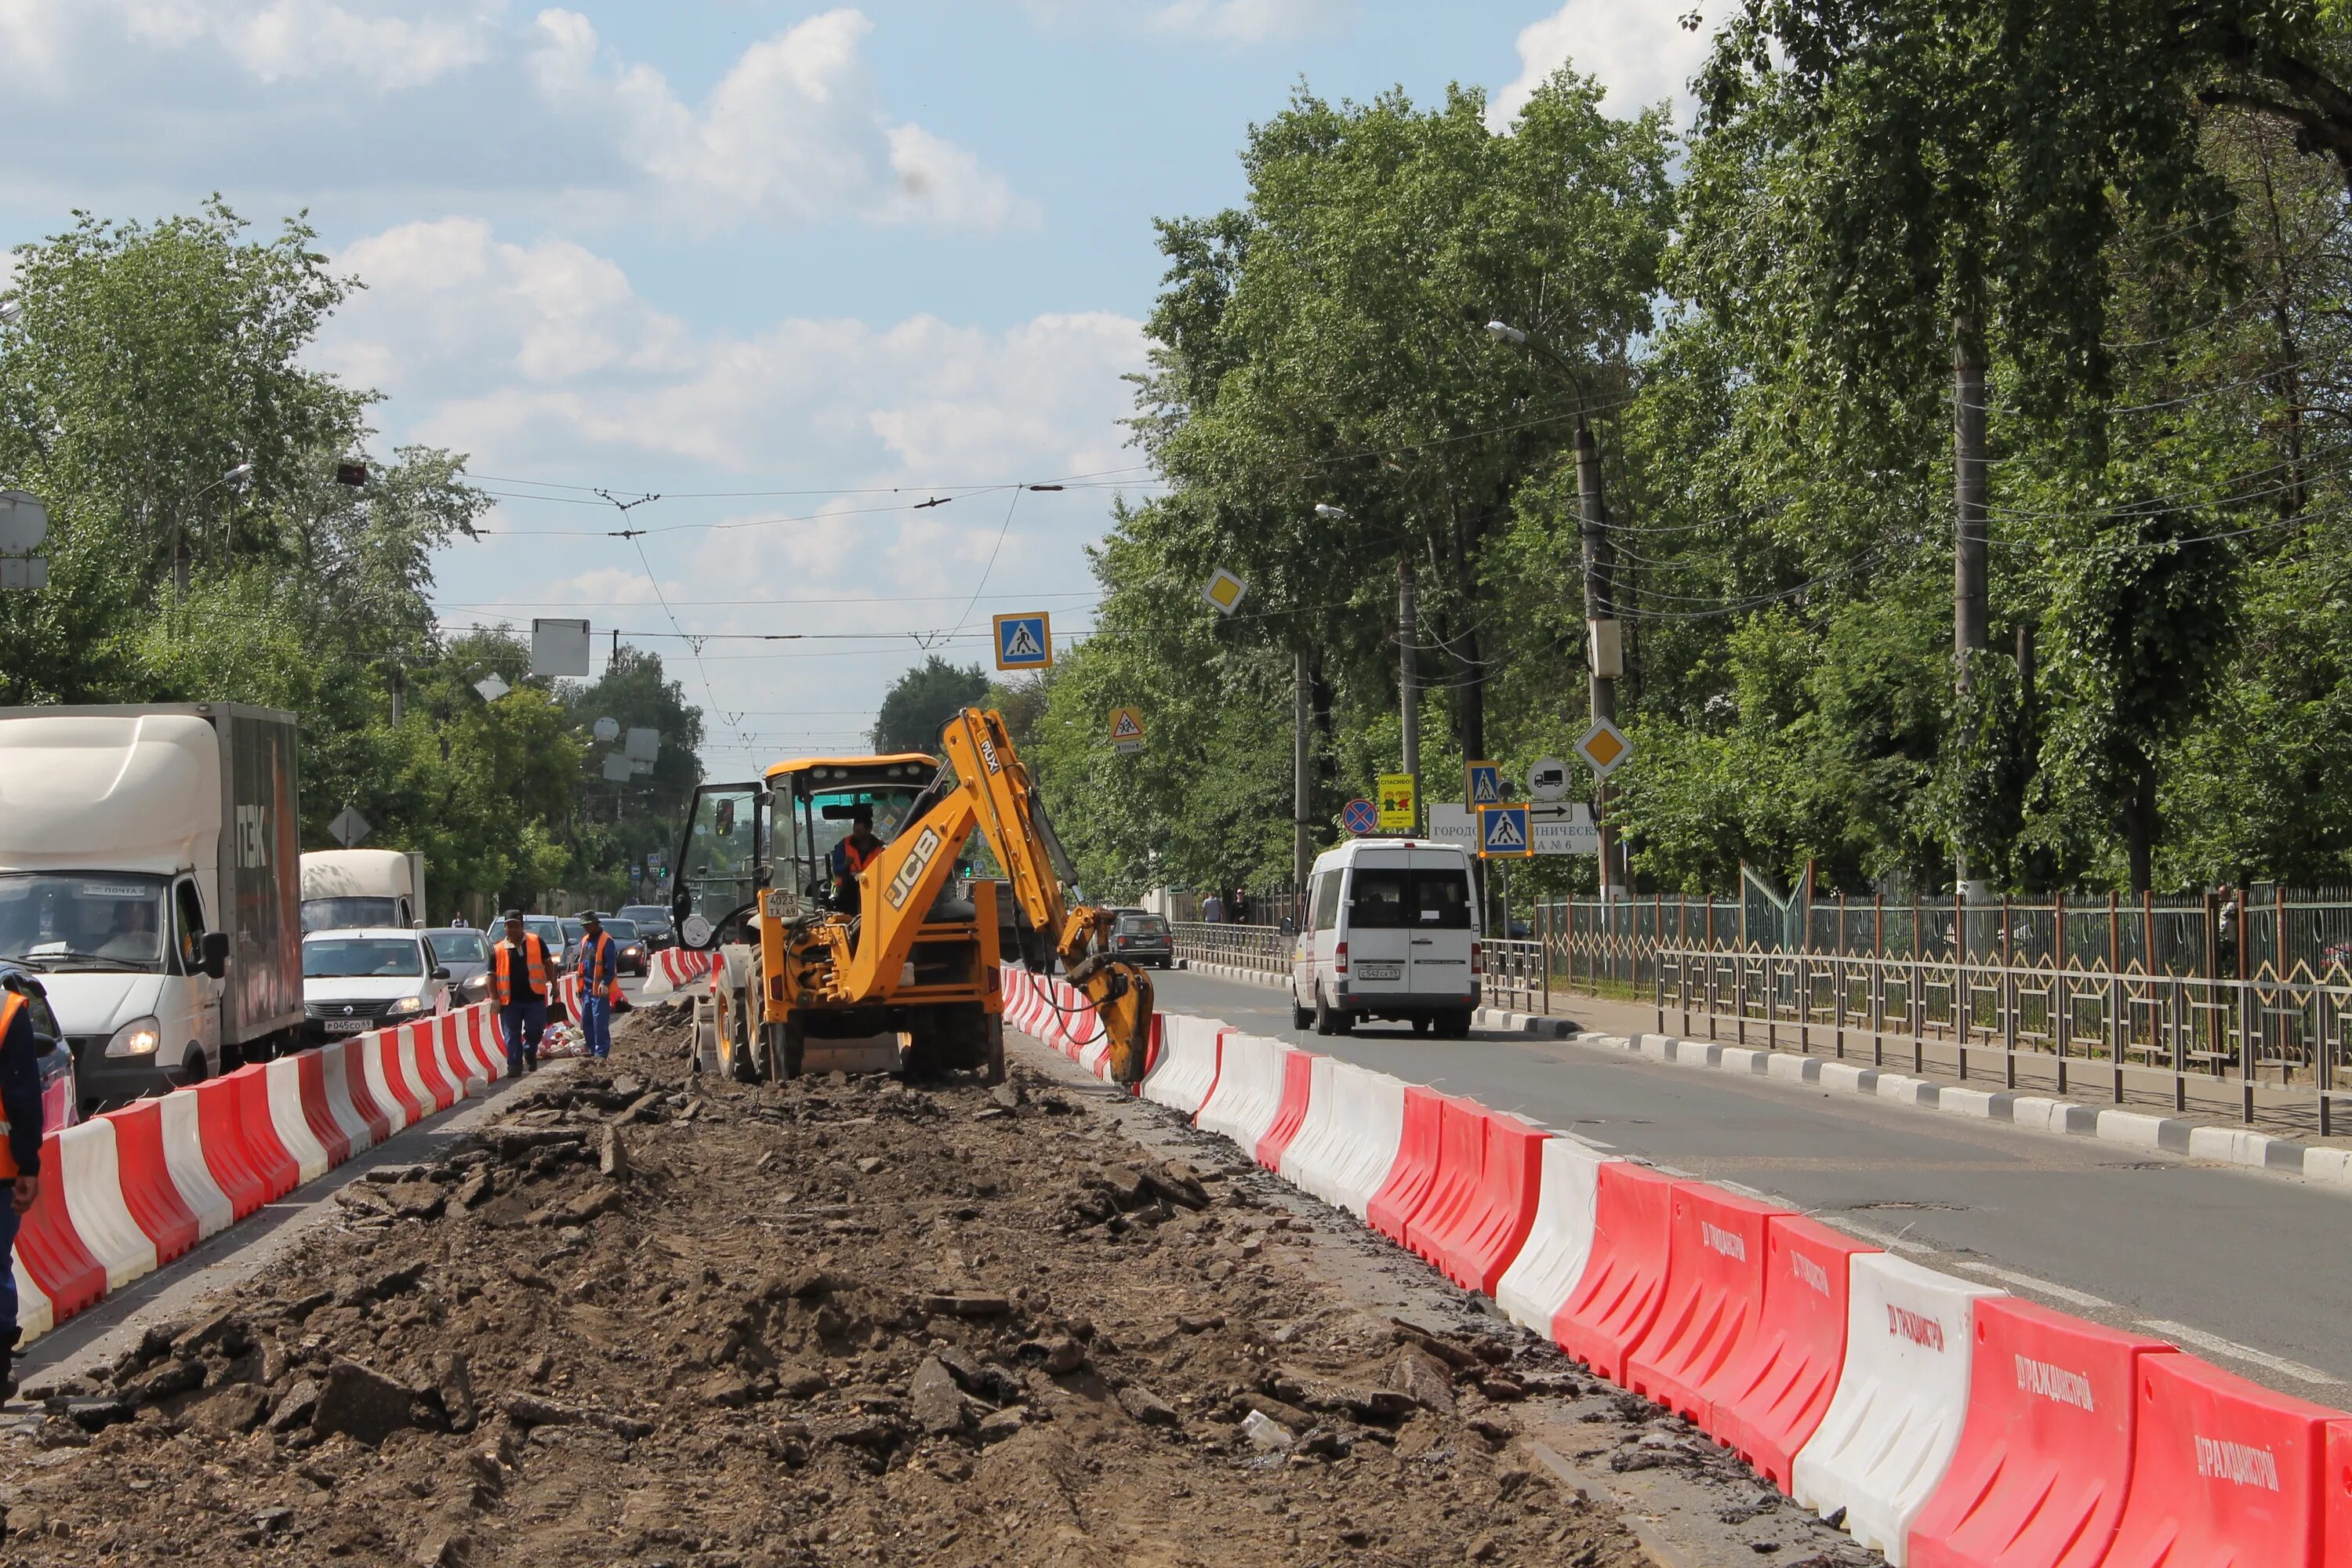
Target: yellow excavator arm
(988,789)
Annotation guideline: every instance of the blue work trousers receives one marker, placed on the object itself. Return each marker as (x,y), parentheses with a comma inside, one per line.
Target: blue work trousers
(597,1025)
(9,1220)
(520,1024)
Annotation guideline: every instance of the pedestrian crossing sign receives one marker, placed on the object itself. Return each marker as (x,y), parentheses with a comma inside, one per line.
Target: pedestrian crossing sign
(1503,832)
(1024,641)
(1126,730)
(1483,784)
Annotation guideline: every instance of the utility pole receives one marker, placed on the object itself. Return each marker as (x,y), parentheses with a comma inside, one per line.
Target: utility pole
(1303,784)
(1604,642)
(1969,637)
(1409,672)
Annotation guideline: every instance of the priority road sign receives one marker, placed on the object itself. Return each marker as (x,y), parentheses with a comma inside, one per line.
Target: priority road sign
(1126,730)
(1605,747)
(1359,817)
(1397,813)
(1503,832)
(1223,590)
(1024,641)
(350,827)
(1483,784)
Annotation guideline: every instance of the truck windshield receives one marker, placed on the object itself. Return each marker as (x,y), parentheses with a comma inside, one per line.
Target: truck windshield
(357,957)
(343,914)
(83,921)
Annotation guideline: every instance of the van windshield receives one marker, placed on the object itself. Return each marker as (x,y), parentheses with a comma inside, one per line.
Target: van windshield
(62,922)
(346,913)
(1385,898)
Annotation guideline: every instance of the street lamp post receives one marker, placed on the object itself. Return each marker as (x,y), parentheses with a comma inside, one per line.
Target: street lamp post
(1408,660)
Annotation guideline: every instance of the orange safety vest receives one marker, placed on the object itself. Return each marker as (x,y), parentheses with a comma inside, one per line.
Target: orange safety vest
(857,859)
(595,960)
(535,955)
(11,1005)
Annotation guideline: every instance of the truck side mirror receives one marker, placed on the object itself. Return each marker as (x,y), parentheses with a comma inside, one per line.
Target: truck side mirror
(439,974)
(215,952)
(1289,926)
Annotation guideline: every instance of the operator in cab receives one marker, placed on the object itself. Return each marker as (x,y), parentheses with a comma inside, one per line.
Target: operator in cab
(853,855)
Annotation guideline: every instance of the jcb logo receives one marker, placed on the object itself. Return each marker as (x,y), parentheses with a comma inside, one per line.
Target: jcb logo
(911,872)
(252,837)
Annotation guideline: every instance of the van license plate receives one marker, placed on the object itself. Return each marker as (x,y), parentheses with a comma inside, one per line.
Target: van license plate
(1380,971)
(347,1025)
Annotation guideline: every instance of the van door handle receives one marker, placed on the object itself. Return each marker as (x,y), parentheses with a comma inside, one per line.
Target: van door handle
(1424,942)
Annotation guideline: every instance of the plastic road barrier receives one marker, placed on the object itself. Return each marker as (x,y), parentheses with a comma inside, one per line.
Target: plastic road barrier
(1461,1156)
(380,1060)
(180,1124)
(90,1179)
(277,1164)
(149,1194)
(1771,1398)
(226,1145)
(427,1067)
(1558,1243)
(1618,1298)
(2226,1474)
(1895,1422)
(376,1122)
(335,1093)
(1715,1298)
(291,1117)
(1248,1093)
(1367,1121)
(1475,1243)
(1297,1079)
(69,1275)
(1414,1172)
(2045,1455)
(34,1316)
(1188,1064)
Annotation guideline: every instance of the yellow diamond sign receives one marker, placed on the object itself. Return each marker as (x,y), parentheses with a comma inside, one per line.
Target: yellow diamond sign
(1604,746)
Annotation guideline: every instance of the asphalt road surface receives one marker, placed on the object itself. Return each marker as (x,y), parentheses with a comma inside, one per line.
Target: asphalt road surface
(2249,1269)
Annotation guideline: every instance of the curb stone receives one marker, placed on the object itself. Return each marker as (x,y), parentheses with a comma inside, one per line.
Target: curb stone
(1534,1023)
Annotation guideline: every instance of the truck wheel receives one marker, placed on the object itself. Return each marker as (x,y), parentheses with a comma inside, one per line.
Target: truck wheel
(192,1071)
(1329,1020)
(1454,1025)
(1300,1017)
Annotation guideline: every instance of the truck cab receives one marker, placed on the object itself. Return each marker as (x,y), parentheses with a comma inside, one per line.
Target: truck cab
(345,888)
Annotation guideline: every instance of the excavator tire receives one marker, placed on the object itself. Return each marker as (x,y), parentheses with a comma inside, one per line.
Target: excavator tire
(742,1056)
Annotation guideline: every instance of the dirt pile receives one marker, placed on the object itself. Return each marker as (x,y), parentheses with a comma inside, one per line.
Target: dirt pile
(652,1319)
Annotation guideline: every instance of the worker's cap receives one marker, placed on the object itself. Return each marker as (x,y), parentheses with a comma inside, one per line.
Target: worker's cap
(512,917)
(592,919)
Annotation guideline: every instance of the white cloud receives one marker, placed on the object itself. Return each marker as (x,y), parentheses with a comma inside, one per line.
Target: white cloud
(794,131)
(386,45)
(1223,21)
(1638,50)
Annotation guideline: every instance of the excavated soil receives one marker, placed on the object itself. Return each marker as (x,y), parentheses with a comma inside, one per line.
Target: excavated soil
(654,1319)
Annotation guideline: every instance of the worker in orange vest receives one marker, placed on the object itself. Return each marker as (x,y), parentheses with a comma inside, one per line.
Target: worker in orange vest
(522,982)
(853,855)
(20,1150)
(600,983)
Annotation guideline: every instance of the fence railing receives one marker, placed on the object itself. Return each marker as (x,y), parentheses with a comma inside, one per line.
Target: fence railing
(1263,950)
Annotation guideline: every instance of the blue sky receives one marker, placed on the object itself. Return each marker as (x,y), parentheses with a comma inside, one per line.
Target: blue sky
(727,249)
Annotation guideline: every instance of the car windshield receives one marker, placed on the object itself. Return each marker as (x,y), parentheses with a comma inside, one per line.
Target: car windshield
(458,947)
(645,915)
(621,931)
(1141,925)
(342,914)
(572,930)
(548,931)
(83,922)
(359,958)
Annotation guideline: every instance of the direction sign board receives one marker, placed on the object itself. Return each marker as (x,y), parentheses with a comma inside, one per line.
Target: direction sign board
(1563,829)
(1224,591)
(1024,641)
(1359,817)
(1548,780)
(1450,823)
(559,647)
(1605,747)
(23,572)
(1483,784)
(1397,814)
(1126,732)
(1503,832)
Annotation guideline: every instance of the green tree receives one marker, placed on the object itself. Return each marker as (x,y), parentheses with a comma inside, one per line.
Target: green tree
(920,702)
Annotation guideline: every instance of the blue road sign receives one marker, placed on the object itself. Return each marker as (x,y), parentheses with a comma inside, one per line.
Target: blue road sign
(1503,831)
(1024,642)
(1359,817)
(1485,785)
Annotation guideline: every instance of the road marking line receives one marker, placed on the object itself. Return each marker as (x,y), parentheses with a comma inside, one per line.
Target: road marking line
(2219,1346)
(2028,1282)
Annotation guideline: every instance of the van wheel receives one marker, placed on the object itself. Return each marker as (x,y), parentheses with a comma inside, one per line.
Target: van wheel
(1424,1024)
(1454,1025)
(1300,1017)
(192,1071)
(1329,1020)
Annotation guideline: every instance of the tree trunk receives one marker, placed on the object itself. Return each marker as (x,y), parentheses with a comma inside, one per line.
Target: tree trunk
(2140,828)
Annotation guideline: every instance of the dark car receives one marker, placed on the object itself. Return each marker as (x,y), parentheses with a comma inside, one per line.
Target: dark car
(465,954)
(652,923)
(60,1097)
(1142,938)
(630,954)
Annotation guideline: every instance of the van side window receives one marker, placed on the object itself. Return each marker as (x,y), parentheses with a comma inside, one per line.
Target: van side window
(188,915)
(1327,899)
(1381,899)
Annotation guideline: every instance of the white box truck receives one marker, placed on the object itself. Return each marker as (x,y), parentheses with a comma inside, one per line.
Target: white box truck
(148,870)
(344,888)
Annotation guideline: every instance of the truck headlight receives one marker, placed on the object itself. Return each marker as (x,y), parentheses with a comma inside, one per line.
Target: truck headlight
(139,1038)
(406,1004)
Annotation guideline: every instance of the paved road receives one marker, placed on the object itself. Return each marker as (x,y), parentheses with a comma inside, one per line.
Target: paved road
(2247,1268)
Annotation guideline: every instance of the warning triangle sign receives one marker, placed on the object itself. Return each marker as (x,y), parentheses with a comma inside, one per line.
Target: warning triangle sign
(1504,834)
(1021,641)
(1124,727)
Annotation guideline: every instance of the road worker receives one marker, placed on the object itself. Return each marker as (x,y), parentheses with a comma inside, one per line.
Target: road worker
(600,984)
(522,983)
(20,1151)
(853,855)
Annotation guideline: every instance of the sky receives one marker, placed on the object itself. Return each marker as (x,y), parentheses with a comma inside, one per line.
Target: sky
(791,269)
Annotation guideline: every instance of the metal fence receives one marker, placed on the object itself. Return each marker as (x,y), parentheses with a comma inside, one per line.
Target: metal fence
(1262,950)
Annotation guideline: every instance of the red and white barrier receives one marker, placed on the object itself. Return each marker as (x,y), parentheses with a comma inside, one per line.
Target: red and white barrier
(677,968)
(1248,1092)
(1715,1298)
(1617,1300)
(1187,1070)
(1349,1138)
(1297,1079)
(1770,1401)
(91,1182)
(180,1124)
(1559,1244)
(1901,1399)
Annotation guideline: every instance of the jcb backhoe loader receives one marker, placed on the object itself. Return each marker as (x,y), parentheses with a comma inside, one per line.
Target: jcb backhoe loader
(904,955)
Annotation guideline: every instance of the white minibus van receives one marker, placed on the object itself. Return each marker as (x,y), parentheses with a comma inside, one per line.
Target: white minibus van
(1391,932)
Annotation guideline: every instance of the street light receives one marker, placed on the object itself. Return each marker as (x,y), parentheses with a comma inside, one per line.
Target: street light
(1330,513)
(1504,332)
(10,310)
